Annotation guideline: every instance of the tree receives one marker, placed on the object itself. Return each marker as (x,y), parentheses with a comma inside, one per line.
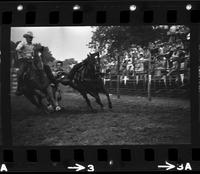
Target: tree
(47,55)
(112,40)
(68,63)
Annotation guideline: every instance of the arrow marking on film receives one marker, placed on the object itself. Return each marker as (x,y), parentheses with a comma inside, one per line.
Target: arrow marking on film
(168,166)
(78,167)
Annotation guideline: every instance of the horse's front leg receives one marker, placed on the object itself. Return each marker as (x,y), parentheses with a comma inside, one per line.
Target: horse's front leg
(83,92)
(96,96)
(87,100)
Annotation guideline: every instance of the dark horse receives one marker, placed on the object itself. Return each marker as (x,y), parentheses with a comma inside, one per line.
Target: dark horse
(85,78)
(36,84)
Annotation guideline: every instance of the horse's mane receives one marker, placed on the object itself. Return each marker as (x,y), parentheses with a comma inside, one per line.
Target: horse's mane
(84,65)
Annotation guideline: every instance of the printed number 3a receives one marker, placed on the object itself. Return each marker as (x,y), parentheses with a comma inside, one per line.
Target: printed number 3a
(91,168)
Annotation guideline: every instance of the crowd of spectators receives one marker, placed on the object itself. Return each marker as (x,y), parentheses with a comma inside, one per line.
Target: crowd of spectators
(168,58)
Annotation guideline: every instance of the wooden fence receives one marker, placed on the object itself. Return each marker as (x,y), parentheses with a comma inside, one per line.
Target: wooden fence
(13,80)
(130,87)
(140,87)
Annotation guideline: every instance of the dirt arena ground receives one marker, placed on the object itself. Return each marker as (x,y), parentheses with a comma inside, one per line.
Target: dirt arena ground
(133,120)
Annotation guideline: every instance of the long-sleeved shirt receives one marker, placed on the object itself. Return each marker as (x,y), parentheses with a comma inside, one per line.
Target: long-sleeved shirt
(24,50)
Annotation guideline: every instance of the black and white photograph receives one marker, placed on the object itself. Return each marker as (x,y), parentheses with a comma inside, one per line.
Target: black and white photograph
(100,85)
(0,91)
(199,77)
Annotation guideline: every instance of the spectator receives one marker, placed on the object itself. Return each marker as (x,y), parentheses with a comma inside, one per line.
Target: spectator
(179,44)
(161,49)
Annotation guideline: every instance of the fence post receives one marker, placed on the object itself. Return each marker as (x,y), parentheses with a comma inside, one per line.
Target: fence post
(149,76)
(137,79)
(118,76)
(149,87)
(110,82)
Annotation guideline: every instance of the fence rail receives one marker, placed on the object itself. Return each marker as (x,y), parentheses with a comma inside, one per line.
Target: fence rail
(158,87)
(131,86)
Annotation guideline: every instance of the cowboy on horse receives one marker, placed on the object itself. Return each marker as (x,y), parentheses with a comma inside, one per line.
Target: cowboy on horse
(25,52)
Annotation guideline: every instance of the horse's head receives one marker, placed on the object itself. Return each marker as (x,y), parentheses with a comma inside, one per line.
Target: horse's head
(38,56)
(38,51)
(94,60)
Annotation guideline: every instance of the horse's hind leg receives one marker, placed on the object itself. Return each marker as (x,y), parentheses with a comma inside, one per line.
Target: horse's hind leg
(109,102)
(83,93)
(107,95)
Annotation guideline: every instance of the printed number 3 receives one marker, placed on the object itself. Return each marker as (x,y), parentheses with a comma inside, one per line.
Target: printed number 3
(91,168)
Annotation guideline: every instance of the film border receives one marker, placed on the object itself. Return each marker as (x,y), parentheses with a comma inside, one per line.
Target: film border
(97,13)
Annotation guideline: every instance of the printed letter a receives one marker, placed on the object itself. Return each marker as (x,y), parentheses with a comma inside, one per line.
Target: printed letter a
(3,168)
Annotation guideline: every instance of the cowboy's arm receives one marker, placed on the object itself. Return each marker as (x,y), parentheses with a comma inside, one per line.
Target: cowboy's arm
(19,49)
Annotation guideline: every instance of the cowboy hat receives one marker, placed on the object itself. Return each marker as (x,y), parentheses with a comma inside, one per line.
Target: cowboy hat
(28,34)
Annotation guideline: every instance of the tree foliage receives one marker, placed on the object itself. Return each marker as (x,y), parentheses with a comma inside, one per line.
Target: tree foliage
(47,55)
(118,40)
(69,61)
(68,64)
(114,40)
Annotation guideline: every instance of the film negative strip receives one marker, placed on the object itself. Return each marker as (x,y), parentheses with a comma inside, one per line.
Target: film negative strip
(62,61)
